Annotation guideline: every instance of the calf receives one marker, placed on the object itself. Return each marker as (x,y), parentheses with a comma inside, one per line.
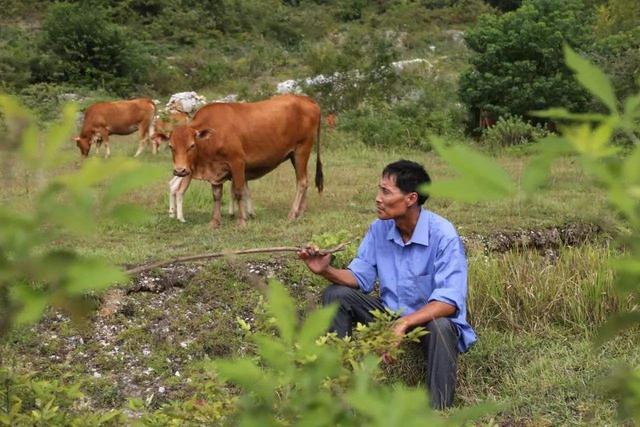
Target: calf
(164,125)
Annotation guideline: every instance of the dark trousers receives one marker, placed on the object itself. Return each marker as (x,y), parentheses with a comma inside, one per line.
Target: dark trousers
(440,345)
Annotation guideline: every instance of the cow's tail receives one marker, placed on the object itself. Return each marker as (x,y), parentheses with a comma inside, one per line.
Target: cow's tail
(319,174)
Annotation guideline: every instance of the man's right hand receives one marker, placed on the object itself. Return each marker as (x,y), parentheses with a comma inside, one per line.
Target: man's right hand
(318,263)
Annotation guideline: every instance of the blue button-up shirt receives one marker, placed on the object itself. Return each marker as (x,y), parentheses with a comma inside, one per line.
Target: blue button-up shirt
(431,266)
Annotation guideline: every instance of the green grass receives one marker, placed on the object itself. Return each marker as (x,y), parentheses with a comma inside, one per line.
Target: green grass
(351,173)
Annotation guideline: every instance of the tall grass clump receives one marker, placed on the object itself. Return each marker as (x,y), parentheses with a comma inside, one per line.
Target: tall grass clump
(527,291)
(512,130)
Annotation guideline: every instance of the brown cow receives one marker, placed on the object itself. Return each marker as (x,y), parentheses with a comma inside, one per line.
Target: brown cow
(164,125)
(244,141)
(331,121)
(116,118)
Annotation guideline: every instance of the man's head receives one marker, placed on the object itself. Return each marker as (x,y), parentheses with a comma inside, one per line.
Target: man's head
(398,188)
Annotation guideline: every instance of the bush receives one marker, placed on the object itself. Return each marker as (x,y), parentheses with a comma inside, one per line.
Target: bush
(360,72)
(15,56)
(619,56)
(616,16)
(517,63)
(83,47)
(350,10)
(512,130)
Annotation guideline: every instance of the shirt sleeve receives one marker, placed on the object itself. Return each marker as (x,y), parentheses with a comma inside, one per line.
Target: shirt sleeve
(450,279)
(363,265)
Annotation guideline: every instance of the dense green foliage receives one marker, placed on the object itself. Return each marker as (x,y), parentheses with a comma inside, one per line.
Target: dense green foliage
(517,64)
(81,46)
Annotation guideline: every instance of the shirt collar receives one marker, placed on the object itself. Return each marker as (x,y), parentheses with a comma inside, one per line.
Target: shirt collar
(420,233)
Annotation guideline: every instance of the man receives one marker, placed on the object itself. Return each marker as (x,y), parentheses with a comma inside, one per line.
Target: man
(419,261)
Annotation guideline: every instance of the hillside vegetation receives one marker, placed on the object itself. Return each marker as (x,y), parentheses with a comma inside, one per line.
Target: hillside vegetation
(156,349)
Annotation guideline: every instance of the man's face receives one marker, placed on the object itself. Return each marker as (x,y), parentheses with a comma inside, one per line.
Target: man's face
(391,202)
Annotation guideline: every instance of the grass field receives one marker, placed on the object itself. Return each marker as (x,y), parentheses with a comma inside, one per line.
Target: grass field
(535,311)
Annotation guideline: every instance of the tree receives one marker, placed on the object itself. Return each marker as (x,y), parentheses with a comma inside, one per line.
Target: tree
(517,66)
(82,45)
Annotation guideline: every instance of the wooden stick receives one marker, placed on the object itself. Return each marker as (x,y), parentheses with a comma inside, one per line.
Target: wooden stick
(151,266)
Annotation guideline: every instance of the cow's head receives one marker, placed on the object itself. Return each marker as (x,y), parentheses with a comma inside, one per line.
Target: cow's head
(84,144)
(184,147)
(159,137)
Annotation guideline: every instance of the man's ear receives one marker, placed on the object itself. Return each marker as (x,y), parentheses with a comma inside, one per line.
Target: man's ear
(413,198)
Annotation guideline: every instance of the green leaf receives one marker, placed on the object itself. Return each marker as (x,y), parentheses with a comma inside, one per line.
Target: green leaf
(282,308)
(315,326)
(133,176)
(564,114)
(247,375)
(631,110)
(31,302)
(58,135)
(481,178)
(616,324)
(592,78)
(631,167)
(30,145)
(274,352)
(92,274)
(129,213)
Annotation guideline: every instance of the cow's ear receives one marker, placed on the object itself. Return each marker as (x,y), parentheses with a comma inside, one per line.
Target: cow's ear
(76,139)
(162,136)
(204,133)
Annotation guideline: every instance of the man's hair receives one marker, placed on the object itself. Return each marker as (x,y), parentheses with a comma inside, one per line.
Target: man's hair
(409,176)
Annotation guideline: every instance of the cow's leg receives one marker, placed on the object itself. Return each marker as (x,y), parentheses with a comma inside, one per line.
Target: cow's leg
(237,187)
(174,184)
(140,148)
(145,128)
(104,139)
(182,188)
(300,160)
(216,215)
(155,144)
(247,198)
(232,203)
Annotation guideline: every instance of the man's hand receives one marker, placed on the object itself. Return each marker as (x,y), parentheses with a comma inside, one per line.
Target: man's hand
(399,328)
(316,262)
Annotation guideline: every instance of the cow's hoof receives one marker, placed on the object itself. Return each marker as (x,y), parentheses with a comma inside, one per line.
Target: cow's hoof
(172,214)
(242,224)
(182,220)
(292,216)
(214,224)
(252,214)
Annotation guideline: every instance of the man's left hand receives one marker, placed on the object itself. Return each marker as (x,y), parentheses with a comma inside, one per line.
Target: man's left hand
(400,327)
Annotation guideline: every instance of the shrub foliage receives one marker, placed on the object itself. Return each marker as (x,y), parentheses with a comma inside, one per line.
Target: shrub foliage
(517,62)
